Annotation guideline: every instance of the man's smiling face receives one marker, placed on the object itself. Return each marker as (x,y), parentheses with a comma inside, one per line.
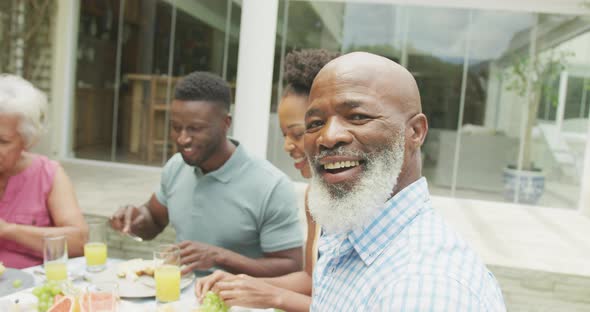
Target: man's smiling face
(347,124)
(364,129)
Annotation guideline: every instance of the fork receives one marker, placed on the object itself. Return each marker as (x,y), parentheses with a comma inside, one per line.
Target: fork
(134,237)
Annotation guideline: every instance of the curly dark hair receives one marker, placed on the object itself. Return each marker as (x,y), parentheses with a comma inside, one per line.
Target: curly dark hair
(302,66)
(204,86)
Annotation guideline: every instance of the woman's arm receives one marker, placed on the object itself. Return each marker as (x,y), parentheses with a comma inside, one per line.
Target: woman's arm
(66,215)
(299,282)
(246,291)
(311,254)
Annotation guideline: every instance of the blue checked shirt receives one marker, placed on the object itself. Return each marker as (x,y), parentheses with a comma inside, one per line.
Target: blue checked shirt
(406,259)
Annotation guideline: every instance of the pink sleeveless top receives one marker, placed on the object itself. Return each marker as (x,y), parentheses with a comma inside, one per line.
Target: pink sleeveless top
(25,202)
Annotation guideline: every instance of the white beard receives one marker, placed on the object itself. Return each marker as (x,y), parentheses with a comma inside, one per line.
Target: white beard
(341,208)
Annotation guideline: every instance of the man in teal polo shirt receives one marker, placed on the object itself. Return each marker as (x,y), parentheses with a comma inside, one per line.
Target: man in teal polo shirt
(229,210)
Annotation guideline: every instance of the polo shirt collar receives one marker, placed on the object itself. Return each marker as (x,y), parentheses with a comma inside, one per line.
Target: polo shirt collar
(230,167)
(370,241)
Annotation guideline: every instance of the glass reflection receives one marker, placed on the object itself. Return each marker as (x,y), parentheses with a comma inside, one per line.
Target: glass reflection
(144,47)
(461,59)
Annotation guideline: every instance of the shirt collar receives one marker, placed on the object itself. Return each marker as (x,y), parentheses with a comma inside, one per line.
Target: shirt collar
(224,173)
(370,241)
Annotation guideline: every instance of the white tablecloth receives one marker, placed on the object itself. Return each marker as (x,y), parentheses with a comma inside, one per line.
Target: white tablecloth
(77,267)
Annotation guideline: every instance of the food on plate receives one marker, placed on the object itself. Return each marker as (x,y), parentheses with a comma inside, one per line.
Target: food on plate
(45,294)
(64,304)
(149,271)
(212,303)
(17,283)
(51,292)
(134,268)
(83,302)
(2,268)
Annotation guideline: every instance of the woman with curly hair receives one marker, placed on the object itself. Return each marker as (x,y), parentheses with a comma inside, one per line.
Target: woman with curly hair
(37,198)
(290,292)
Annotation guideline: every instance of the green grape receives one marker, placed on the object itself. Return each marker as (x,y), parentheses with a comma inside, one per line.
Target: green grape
(55,290)
(43,297)
(43,306)
(17,283)
(45,288)
(45,294)
(212,303)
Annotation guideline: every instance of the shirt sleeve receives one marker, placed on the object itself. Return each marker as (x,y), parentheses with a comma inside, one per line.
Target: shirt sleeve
(281,228)
(429,293)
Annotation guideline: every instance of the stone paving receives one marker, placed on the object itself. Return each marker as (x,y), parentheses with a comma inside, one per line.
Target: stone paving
(540,256)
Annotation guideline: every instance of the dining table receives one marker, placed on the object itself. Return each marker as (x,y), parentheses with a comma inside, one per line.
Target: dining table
(24,300)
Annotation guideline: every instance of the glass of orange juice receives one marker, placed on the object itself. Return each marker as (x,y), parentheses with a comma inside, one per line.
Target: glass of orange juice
(55,257)
(95,249)
(167,273)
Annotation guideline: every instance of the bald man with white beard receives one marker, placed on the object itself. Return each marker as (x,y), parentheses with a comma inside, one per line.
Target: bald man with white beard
(384,248)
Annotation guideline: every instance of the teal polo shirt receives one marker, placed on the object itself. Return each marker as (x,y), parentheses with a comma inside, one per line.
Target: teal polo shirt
(247,206)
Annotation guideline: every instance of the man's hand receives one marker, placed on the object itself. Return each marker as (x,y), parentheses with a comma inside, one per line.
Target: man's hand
(130,219)
(197,256)
(205,284)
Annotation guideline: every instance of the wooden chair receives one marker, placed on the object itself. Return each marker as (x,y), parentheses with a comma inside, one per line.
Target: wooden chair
(157,116)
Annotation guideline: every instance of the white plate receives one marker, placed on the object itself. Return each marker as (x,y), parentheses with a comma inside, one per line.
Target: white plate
(142,287)
(9,276)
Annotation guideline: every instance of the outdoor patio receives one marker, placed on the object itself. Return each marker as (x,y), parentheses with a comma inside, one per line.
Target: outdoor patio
(539,255)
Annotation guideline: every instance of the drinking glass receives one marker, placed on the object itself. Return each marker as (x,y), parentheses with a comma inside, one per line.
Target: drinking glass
(95,250)
(167,273)
(55,257)
(101,296)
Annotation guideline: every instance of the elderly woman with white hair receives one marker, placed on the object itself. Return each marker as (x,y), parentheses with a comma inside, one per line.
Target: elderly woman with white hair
(37,198)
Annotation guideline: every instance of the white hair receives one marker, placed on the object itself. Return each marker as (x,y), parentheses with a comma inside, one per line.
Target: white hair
(341,208)
(21,98)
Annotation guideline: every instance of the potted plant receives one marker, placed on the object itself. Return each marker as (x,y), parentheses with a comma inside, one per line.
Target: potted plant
(532,78)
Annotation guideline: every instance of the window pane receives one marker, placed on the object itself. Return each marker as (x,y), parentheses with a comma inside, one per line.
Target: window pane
(559,143)
(464,62)
(436,47)
(95,79)
(149,68)
(490,132)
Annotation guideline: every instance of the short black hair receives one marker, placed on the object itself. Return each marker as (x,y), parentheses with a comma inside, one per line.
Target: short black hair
(302,66)
(204,86)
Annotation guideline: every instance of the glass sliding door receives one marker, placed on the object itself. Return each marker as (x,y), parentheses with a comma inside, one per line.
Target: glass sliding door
(437,50)
(489,132)
(130,55)
(465,61)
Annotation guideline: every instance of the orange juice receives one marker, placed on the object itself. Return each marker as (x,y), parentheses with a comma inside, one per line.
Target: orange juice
(167,283)
(95,254)
(56,271)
